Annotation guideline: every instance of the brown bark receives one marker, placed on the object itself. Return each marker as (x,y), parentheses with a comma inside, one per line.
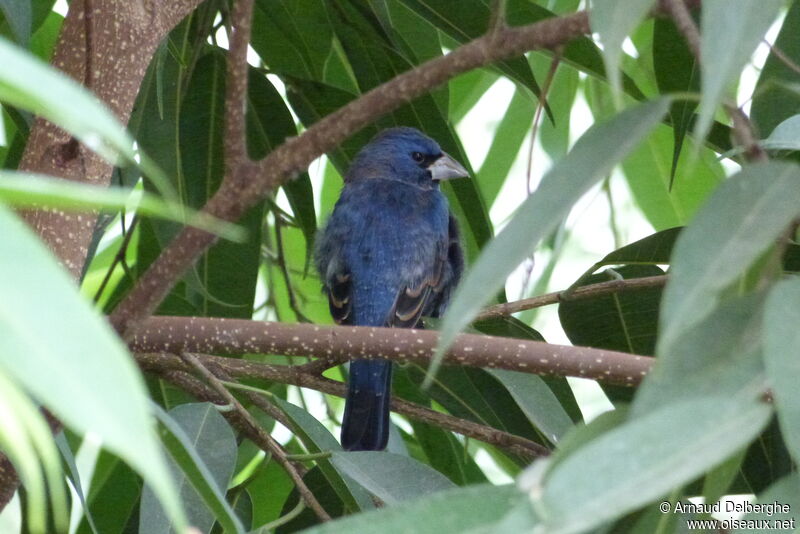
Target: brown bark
(123,37)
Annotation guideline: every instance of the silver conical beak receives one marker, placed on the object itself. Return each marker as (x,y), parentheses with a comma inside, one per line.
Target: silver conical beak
(446,168)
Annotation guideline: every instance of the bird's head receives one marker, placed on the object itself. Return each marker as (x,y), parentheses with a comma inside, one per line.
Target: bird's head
(407,155)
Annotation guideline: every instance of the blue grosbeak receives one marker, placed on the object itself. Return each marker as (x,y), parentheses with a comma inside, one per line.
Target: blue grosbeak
(389,254)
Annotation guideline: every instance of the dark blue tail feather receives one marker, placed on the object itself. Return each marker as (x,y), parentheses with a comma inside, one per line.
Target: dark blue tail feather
(366,414)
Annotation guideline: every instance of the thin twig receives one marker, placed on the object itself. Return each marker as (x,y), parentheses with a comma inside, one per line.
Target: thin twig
(584,292)
(683,21)
(497,18)
(743,131)
(783,57)
(119,257)
(264,440)
(161,363)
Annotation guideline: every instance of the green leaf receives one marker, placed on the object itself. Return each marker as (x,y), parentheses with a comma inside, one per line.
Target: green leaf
(470,21)
(203,450)
(52,363)
(75,478)
(44,39)
(785,492)
(537,401)
(614,21)
(293,37)
(508,137)
(475,395)
(441,449)
(780,340)
(317,439)
(645,459)
(392,478)
(26,440)
(18,15)
(785,136)
(269,491)
(555,138)
(676,71)
(717,356)
(457,510)
(467,89)
(326,496)
(666,202)
(31,190)
(650,250)
(27,83)
(625,321)
(718,481)
(738,224)
(730,31)
(592,158)
(773,101)
(227,273)
(269,124)
(113,495)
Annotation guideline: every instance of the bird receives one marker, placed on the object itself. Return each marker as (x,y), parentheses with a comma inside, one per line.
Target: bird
(389,254)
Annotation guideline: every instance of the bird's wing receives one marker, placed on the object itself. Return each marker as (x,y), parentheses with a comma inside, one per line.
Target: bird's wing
(430,295)
(339,297)
(453,270)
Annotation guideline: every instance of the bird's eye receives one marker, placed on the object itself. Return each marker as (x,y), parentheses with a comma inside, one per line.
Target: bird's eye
(418,157)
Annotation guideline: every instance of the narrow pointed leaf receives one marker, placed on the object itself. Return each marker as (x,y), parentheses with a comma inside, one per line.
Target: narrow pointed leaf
(52,363)
(391,477)
(203,450)
(773,101)
(730,31)
(32,190)
(614,21)
(458,510)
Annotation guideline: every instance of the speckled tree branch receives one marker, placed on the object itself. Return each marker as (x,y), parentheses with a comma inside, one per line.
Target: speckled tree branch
(240,336)
(163,364)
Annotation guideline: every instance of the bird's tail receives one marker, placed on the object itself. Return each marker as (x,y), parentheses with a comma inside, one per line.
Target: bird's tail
(366,413)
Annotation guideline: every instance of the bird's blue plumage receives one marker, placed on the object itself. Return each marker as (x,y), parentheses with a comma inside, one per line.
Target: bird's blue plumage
(389,253)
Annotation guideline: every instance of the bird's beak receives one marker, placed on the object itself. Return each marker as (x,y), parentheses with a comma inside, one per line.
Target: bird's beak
(446,168)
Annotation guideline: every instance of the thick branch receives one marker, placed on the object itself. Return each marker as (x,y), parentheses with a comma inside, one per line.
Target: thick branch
(161,363)
(240,336)
(580,293)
